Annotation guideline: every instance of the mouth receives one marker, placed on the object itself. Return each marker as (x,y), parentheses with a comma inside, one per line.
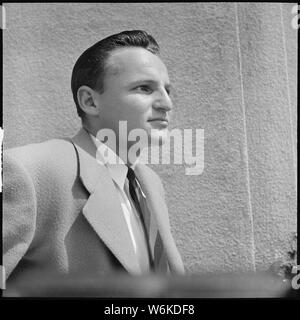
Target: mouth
(159,119)
(161,122)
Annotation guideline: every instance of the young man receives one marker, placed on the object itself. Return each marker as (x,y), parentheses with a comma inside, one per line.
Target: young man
(67,209)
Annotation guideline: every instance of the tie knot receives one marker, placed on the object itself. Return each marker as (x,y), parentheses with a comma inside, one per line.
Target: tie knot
(130,175)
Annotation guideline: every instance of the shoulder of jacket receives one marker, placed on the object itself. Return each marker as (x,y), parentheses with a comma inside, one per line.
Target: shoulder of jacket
(47,154)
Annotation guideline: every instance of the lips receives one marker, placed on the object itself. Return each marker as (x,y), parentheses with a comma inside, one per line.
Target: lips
(159,122)
(159,119)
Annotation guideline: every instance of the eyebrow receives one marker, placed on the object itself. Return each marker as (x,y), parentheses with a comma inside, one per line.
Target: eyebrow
(148,81)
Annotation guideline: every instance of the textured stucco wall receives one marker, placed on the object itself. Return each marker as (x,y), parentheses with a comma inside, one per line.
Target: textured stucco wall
(234,69)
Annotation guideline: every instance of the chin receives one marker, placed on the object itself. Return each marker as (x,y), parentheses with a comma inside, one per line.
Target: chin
(158,139)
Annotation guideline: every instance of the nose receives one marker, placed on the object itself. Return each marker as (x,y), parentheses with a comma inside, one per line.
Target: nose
(163,102)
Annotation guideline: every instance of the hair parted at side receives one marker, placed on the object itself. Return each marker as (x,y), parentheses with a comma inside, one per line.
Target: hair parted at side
(89,69)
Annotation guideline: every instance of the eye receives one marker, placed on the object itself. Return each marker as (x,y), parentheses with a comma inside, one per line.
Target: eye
(144,88)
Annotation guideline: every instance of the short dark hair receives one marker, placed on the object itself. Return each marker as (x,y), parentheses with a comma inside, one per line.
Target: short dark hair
(89,69)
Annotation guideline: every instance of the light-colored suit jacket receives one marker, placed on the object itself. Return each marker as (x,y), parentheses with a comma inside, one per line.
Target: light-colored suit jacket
(61,214)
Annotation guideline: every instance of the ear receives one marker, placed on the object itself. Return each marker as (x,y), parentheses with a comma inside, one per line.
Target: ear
(87,101)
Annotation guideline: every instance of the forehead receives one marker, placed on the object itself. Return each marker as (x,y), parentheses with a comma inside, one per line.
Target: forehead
(134,62)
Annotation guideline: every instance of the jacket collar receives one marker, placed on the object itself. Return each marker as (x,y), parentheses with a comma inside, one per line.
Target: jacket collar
(117,169)
(103,209)
(159,218)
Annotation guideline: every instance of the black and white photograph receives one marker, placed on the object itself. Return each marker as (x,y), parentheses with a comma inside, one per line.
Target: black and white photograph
(149,150)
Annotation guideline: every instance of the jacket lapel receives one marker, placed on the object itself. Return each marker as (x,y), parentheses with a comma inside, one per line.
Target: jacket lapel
(103,209)
(163,243)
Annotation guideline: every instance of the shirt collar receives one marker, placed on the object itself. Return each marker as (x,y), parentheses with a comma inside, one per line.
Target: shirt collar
(117,170)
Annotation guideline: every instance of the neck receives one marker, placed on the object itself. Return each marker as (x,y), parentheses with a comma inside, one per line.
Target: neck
(120,148)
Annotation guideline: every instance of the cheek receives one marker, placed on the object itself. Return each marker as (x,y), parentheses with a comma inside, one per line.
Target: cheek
(138,103)
(136,108)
